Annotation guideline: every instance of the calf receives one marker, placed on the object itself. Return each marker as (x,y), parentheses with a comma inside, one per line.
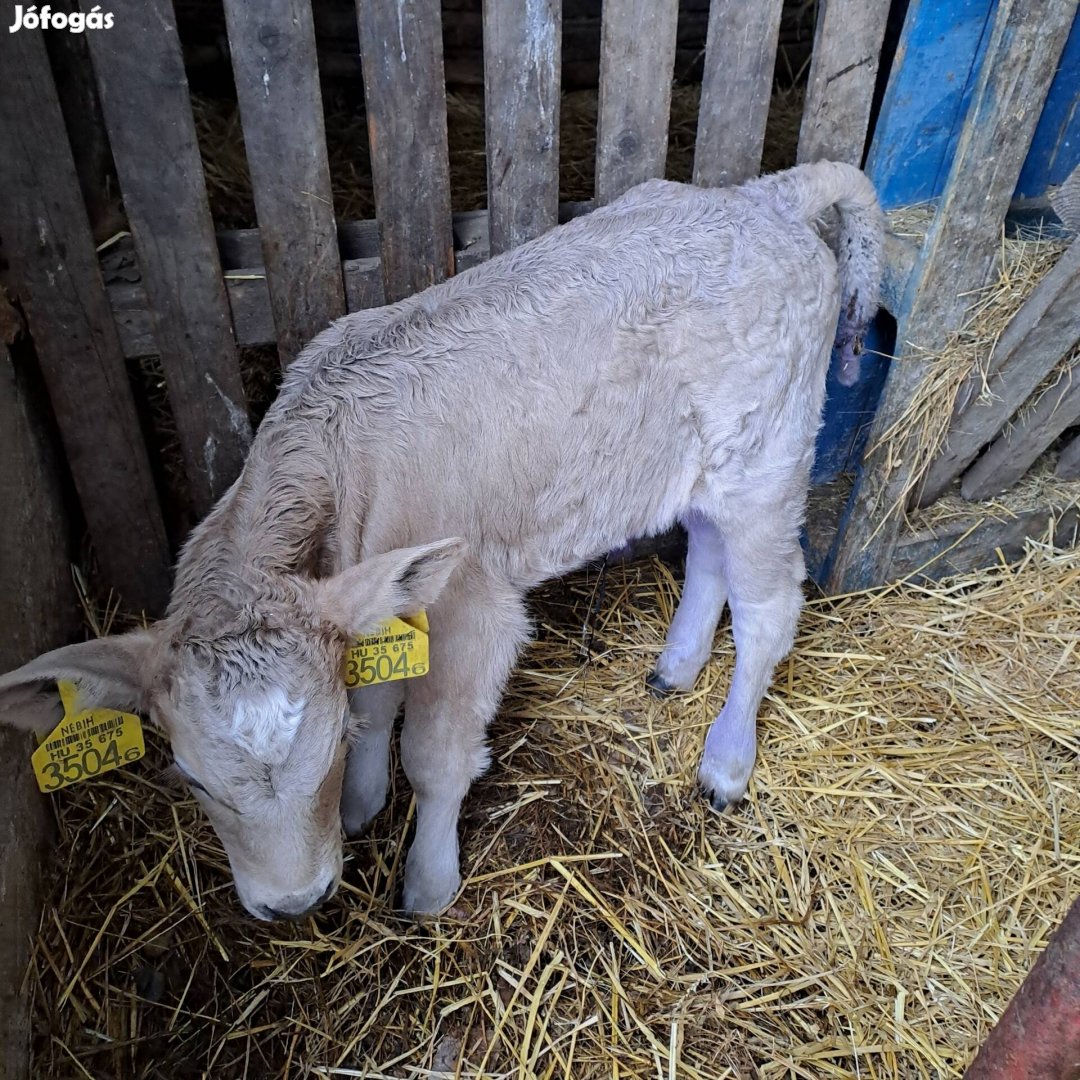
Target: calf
(662,360)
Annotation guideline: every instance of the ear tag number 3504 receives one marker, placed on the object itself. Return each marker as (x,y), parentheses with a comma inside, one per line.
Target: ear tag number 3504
(85,744)
(397,650)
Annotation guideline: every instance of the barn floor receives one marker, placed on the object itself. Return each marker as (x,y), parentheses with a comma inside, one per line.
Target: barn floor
(912,835)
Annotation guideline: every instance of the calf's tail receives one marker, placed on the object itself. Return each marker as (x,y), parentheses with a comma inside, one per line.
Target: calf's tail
(806,192)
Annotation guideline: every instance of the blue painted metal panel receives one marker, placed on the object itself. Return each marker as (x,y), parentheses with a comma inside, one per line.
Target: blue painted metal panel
(1055,148)
(937,63)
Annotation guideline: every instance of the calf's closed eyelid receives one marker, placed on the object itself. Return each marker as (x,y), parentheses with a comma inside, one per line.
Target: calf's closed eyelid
(196,786)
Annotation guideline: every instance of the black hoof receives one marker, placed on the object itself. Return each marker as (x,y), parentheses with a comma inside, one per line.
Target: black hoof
(658,685)
(716,803)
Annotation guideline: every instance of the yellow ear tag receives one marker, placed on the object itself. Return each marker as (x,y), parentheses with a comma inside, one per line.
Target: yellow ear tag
(86,744)
(397,650)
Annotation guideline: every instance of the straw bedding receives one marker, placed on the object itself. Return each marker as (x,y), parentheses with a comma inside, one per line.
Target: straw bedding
(910,839)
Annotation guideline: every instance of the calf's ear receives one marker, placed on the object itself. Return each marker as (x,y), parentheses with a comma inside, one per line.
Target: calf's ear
(109,673)
(401,582)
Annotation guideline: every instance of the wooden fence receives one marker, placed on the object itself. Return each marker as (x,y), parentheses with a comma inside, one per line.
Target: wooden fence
(961,120)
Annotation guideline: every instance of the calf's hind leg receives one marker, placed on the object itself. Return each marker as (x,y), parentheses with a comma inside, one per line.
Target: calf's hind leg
(690,636)
(764,568)
(477,630)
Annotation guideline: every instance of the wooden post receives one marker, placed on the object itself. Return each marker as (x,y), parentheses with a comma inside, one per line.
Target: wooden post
(847,49)
(39,612)
(144,98)
(736,87)
(405,92)
(272,44)
(957,258)
(637,61)
(54,275)
(521,104)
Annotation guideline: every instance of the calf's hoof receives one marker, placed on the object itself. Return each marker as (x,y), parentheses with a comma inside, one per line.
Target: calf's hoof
(354,824)
(429,895)
(723,787)
(658,686)
(717,801)
(357,814)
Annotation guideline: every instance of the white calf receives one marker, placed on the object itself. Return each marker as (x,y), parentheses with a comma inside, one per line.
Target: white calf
(660,360)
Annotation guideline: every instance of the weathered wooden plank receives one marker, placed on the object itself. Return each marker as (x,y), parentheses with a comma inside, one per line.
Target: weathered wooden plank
(360,239)
(957,257)
(522,44)
(272,44)
(1019,446)
(937,63)
(38,612)
(740,55)
(249,304)
(140,71)
(53,271)
(637,58)
(1037,337)
(405,92)
(847,48)
(73,73)
(1068,465)
(974,542)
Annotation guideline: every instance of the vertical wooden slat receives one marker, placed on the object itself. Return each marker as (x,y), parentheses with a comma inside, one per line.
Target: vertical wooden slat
(740,54)
(405,92)
(521,101)
(147,110)
(53,272)
(274,61)
(37,604)
(957,258)
(73,73)
(637,60)
(847,48)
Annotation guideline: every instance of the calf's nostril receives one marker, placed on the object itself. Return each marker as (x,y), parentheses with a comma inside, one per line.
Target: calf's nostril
(288,916)
(265,911)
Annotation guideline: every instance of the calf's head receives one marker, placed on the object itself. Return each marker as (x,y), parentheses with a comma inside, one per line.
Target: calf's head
(245,678)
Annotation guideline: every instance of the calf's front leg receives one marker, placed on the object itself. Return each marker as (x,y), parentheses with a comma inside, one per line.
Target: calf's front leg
(367,770)
(477,630)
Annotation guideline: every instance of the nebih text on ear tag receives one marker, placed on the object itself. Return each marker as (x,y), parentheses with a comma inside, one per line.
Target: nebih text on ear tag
(397,650)
(86,744)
